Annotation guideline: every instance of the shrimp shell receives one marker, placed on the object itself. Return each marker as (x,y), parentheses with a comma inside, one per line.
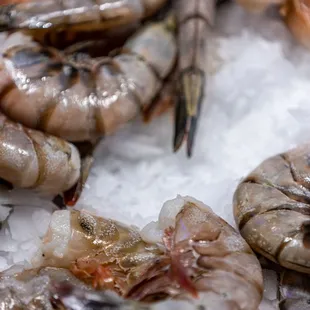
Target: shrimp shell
(198,254)
(271,208)
(44,89)
(87,15)
(33,160)
(209,253)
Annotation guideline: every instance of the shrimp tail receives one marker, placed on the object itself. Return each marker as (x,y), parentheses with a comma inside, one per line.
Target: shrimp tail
(195,21)
(188,107)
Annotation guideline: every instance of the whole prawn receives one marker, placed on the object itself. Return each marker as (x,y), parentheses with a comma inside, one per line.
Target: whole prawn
(43,88)
(271,208)
(190,251)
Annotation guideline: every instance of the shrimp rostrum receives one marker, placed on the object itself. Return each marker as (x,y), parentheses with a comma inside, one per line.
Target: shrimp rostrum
(190,252)
(49,90)
(271,208)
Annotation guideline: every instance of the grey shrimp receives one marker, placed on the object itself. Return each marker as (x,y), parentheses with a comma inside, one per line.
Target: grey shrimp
(45,89)
(271,208)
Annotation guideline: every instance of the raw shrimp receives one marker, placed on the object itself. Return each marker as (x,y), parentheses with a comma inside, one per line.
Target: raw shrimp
(34,160)
(57,288)
(59,23)
(46,89)
(50,16)
(271,208)
(54,288)
(294,290)
(190,251)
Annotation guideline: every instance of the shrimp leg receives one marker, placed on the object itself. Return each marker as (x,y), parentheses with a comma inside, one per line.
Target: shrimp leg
(195,19)
(164,100)
(72,195)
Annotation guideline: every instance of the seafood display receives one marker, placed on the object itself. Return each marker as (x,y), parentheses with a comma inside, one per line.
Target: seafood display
(79,71)
(271,208)
(49,22)
(56,288)
(43,88)
(58,72)
(189,252)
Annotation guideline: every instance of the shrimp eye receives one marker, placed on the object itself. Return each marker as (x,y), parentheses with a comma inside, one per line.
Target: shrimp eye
(87,223)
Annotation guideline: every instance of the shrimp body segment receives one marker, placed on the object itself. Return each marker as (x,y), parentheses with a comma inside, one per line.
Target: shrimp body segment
(271,208)
(82,15)
(44,89)
(33,160)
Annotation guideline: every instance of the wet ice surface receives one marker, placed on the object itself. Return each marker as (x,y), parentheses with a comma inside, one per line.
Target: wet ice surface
(257,105)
